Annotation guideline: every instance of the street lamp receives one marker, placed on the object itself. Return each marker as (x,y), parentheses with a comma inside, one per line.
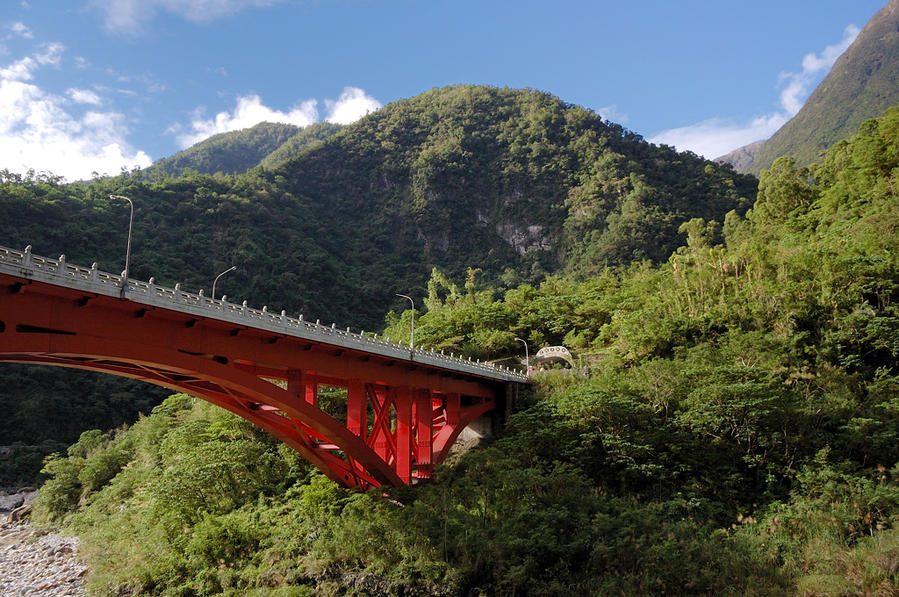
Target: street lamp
(128,250)
(527,358)
(230,269)
(412,341)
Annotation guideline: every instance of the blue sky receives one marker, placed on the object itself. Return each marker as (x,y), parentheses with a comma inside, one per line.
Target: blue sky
(97,85)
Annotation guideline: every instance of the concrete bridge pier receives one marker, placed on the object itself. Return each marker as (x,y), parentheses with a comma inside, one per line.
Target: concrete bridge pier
(491,423)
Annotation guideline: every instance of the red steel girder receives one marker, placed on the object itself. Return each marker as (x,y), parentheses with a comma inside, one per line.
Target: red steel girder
(401,418)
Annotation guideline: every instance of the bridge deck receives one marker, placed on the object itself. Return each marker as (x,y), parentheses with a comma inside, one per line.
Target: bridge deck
(24,264)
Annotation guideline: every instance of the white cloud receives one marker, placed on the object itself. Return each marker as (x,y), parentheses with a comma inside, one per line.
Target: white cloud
(352,105)
(51,54)
(131,16)
(19,70)
(22,30)
(41,131)
(22,70)
(798,85)
(84,96)
(612,114)
(249,112)
(813,64)
(715,137)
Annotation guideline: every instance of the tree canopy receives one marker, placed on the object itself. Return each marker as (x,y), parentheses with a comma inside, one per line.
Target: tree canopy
(731,428)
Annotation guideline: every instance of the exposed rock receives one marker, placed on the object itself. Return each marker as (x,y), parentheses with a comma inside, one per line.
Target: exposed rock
(13,501)
(523,238)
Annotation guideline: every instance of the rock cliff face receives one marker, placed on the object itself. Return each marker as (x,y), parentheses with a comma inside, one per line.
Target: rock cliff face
(523,238)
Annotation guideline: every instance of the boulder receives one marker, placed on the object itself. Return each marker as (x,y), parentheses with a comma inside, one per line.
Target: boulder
(19,513)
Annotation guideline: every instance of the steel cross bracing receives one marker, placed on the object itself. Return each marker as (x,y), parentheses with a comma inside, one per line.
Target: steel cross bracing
(403,409)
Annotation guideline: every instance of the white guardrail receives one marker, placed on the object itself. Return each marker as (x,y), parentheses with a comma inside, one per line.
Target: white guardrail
(25,264)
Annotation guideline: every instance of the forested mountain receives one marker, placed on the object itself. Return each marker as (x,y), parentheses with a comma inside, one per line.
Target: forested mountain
(515,183)
(303,139)
(503,179)
(861,85)
(741,158)
(267,144)
(732,429)
(231,153)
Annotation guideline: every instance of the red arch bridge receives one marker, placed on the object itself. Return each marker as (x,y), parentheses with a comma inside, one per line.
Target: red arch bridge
(404,408)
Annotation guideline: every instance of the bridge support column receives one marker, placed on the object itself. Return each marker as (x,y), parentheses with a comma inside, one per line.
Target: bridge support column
(423,417)
(380,438)
(356,407)
(453,406)
(403,404)
(501,415)
(303,385)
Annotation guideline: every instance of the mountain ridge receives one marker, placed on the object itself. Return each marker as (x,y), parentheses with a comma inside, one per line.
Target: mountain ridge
(234,152)
(860,85)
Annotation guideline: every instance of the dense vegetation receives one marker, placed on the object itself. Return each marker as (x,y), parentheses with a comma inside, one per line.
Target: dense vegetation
(733,431)
(300,142)
(266,144)
(509,180)
(515,182)
(230,153)
(46,409)
(861,85)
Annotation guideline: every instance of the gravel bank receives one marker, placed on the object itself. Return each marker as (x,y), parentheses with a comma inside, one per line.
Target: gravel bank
(37,563)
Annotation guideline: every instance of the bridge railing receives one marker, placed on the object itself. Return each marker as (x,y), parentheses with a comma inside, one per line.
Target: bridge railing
(57,271)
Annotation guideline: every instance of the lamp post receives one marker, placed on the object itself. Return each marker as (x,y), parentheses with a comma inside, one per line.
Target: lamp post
(230,269)
(412,341)
(527,358)
(128,249)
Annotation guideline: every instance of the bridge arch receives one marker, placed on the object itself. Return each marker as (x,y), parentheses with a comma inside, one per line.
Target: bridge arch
(402,414)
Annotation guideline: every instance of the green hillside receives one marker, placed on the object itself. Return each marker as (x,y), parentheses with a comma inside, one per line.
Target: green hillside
(500,178)
(514,182)
(861,85)
(302,140)
(734,430)
(267,144)
(231,153)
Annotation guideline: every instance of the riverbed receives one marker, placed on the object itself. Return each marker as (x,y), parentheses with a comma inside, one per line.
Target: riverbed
(37,563)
